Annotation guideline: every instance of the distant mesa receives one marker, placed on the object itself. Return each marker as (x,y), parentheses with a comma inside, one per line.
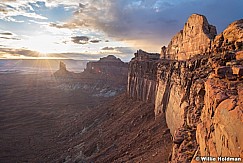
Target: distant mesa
(107,65)
(104,78)
(110,58)
(62,66)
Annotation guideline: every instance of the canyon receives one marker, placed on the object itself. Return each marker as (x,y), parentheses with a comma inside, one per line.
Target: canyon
(197,83)
(174,106)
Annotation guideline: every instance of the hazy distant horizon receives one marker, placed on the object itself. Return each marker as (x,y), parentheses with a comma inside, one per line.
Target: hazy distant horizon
(40,65)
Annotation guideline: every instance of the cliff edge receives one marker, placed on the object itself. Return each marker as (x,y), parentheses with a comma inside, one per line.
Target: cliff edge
(197,83)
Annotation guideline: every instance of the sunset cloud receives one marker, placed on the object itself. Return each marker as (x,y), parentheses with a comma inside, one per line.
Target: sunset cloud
(19,52)
(148,22)
(81,27)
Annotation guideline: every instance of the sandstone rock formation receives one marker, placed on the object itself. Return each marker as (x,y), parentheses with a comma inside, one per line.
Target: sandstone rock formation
(230,39)
(220,132)
(201,96)
(195,38)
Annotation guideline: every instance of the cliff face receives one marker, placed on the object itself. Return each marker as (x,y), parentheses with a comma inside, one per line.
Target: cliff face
(220,131)
(195,38)
(201,96)
(142,76)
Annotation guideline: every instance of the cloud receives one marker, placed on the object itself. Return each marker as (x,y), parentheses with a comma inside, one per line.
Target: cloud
(149,23)
(9,38)
(80,39)
(19,52)
(95,41)
(118,50)
(10,9)
(6,33)
(108,48)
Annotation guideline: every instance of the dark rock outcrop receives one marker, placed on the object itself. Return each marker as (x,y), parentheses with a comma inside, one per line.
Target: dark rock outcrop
(63,72)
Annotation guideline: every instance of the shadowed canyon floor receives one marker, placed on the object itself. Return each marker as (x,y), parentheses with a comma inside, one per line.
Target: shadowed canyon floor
(42,121)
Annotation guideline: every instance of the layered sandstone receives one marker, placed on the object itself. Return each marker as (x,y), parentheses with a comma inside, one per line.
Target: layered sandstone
(230,39)
(201,96)
(220,131)
(142,76)
(195,38)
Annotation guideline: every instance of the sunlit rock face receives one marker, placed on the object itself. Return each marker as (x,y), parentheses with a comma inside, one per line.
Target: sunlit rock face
(230,39)
(220,131)
(199,92)
(195,38)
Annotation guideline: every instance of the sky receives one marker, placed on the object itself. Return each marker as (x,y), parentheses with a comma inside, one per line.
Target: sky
(90,29)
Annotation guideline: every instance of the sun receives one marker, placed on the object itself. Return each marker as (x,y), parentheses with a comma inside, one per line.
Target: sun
(43,44)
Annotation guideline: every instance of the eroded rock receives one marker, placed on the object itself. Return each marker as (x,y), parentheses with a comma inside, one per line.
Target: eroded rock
(195,38)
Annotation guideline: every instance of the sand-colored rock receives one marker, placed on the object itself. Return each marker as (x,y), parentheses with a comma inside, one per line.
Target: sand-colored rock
(195,38)
(200,93)
(220,132)
(237,70)
(239,55)
(230,39)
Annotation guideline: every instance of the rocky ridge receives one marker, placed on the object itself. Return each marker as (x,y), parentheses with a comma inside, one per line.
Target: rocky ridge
(198,87)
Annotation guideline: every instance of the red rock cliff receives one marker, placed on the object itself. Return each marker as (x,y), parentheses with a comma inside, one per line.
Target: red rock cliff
(195,38)
(201,96)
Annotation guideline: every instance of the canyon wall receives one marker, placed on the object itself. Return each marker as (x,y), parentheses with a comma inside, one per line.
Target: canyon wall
(142,76)
(220,131)
(200,96)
